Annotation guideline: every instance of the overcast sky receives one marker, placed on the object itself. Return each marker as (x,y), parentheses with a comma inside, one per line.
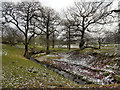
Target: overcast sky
(57,4)
(61,4)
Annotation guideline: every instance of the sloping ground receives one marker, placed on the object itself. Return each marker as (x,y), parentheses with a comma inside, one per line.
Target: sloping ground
(90,65)
(95,67)
(19,72)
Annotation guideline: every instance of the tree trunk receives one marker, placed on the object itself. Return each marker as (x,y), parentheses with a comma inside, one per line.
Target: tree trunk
(47,35)
(2,35)
(47,44)
(34,41)
(82,42)
(26,51)
(99,44)
(53,45)
(53,41)
(26,54)
(69,41)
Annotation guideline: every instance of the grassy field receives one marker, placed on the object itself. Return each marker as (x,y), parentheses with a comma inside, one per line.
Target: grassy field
(19,72)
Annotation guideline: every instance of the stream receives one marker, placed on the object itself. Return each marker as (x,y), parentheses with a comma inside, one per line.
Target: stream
(64,73)
(83,69)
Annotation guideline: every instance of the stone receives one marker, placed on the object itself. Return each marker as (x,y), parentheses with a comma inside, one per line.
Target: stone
(60,86)
(45,76)
(52,69)
(13,62)
(66,75)
(47,73)
(34,71)
(21,67)
(71,77)
(62,72)
(56,70)
(29,70)
(79,81)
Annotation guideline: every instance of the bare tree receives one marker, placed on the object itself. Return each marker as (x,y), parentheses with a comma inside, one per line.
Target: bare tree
(100,39)
(54,37)
(2,26)
(12,35)
(85,14)
(47,24)
(67,28)
(21,15)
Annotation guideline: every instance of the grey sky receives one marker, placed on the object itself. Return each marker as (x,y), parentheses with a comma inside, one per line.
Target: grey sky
(61,4)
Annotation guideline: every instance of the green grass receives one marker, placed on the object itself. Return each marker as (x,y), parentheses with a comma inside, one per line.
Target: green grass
(19,72)
(117,78)
(53,58)
(106,74)
(106,50)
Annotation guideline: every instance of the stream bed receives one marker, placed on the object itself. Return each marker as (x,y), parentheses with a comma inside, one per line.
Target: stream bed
(64,73)
(86,69)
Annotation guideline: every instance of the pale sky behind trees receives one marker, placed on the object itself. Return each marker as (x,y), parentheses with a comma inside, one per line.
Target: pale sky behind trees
(62,4)
(59,5)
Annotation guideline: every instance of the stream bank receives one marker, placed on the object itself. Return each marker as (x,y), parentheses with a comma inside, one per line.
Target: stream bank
(91,68)
(75,78)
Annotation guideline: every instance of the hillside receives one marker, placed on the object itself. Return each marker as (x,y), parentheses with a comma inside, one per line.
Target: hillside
(19,72)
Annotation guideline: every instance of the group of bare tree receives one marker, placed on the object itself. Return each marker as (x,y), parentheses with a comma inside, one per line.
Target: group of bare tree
(11,35)
(83,16)
(32,19)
